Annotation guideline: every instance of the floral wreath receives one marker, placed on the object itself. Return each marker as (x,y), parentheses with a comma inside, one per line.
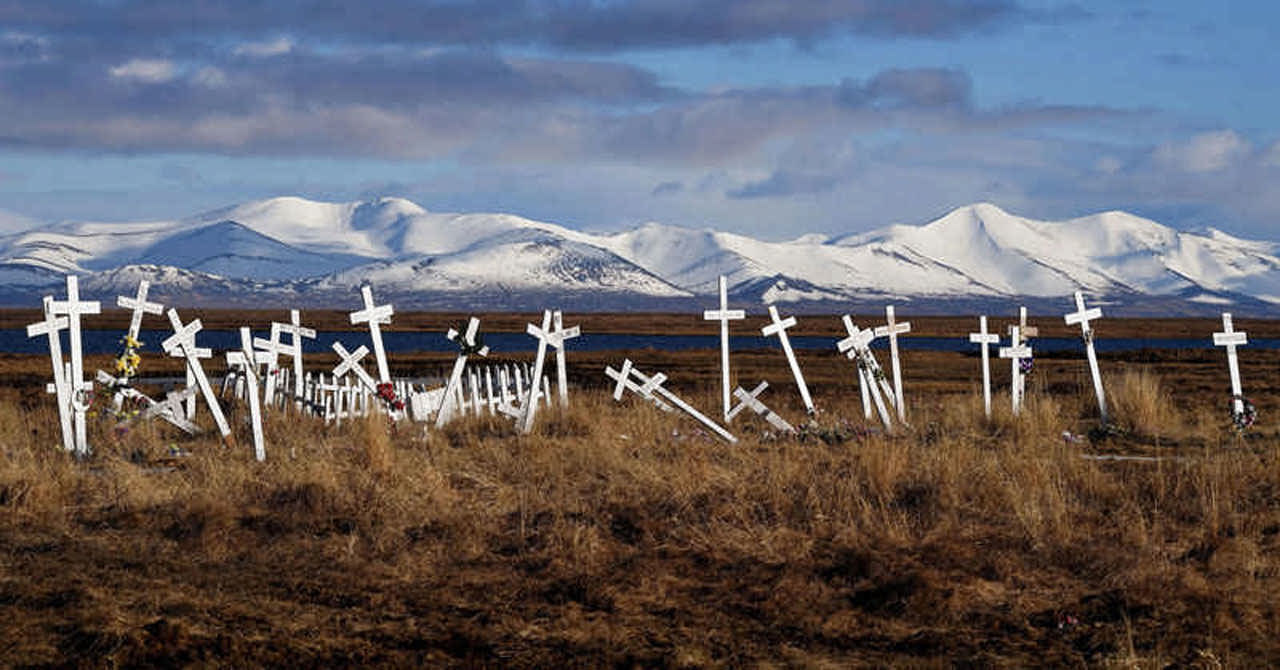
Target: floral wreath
(1246,417)
(387,393)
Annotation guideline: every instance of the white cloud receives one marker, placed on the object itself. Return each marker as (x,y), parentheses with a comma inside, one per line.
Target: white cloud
(210,77)
(276,47)
(146,70)
(1206,152)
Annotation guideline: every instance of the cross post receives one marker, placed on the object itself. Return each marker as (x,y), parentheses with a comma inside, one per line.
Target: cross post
(724,315)
(779,327)
(1083,316)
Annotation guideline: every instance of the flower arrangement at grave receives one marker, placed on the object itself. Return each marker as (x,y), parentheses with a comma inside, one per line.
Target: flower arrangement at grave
(387,394)
(1247,416)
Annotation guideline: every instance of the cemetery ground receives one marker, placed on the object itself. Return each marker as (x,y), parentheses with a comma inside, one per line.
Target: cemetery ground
(616,535)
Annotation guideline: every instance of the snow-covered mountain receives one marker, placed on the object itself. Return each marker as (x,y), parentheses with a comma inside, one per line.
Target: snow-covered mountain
(300,252)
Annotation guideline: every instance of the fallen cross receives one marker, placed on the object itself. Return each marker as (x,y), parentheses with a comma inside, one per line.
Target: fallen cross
(170,409)
(751,400)
(653,385)
(50,327)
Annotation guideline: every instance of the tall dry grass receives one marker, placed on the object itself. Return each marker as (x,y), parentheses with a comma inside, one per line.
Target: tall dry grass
(616,533)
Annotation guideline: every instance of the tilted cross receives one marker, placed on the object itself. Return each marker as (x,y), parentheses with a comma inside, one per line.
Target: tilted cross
(625,383)
(467,344)
(983,339)
(183,339)
(892,329)
(140,306)
(246,359)
(73,308)
(653,385)
(51,327)
(724,315)
(779,327)
(375,316)
(296,332)
(351,364)
(1083,316)
(751,400)
(268,354)
(170,409)
(543,334)
(857,346)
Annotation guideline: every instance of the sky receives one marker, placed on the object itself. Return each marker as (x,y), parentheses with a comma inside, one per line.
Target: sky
(772,118)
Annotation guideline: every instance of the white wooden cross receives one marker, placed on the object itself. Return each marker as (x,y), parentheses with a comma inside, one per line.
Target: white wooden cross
(982,338)
(544,337)
(140,306)
(296,332)
(1083,316)
(467,344)
(246,360)
(51,327)
(73,308)
(751,400)
(375,316)
(170,409)
(779,327)
(1025,332)
(1231,338)
(650,385)
(1016,353)
(724,315)
(351,364)
(892,329)
(559,335)
(201,353)
(183,340)
(857,346)
(267,354)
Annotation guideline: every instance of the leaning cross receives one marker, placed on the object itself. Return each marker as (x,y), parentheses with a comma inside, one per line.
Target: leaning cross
(170,409)
(1016,353)
(544,336)
(858,346)
(140,306)
(351,363)
(183,340)
(751,400)
(650,385)
(467,344)
(1083,316)
(375,316)
(268,354)
(893,329)
(984,338)
(245,358)
(51,326)
(73,308)
(779,327)
(1231,339)
(724,315)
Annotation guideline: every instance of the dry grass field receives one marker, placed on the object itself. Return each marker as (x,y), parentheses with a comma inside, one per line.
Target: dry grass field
(619,536)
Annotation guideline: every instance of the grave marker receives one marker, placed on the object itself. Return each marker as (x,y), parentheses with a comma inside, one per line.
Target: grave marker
(724,315)
(1083,316)
(375,316)
(857,347)
(544,337)
(1016,353)
(183,340)
(559,335)
(140,306)
(983,338)
(892,329)
(73,308)
(468,343)
(50,327)
(653,385)
(779,327)
(1231,338)
(751,400)
(296,333)
(245,358)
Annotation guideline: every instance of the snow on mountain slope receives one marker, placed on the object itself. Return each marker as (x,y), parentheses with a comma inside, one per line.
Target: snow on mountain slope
(296,247)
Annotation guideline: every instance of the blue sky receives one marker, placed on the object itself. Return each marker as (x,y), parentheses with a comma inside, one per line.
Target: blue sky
(768,117)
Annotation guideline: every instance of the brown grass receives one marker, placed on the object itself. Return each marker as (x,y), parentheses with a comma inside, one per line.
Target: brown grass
(617,535)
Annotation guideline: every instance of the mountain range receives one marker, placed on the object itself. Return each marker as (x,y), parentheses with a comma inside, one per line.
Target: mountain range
(293,252)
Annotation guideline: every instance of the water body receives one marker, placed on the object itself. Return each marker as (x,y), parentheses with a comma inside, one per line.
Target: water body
(108,341)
